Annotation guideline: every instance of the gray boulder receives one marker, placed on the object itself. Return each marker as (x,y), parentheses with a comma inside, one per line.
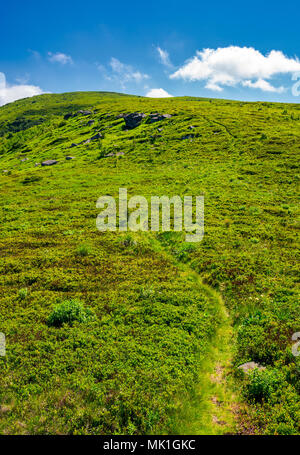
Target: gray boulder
(70,157)
(80,112)
(249,366)
(90,122)
(156,117)
(83,112)
(133,120)
(188,136)
(49,162)
(96,136)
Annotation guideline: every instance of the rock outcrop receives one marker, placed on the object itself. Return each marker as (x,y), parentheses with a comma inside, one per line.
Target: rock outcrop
(249,366)
(49,162)
(156,117)
(133,120)
(96,136)
(188,136)
(80,112)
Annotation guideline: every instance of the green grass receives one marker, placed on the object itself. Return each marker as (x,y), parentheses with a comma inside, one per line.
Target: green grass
(144,363)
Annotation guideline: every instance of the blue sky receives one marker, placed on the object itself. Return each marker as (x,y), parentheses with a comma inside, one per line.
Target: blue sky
(233,49)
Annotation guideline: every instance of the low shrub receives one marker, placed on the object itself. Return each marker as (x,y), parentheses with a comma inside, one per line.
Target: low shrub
(83,250)
(23,293)
(69,312)
(262,383)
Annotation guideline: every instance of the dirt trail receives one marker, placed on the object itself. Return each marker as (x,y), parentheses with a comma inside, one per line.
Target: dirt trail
(214,406)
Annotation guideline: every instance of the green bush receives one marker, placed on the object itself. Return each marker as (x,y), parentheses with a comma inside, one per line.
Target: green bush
(257,338)
(69,312)
(262,383)
(23,293)
(83,250)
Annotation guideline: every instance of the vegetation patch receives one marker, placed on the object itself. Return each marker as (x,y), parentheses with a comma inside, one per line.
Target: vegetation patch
(69,312)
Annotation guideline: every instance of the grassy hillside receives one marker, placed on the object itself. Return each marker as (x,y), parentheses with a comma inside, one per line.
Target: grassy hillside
(159,325)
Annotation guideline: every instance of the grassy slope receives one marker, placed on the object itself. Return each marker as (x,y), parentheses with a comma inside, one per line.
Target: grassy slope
(135,367)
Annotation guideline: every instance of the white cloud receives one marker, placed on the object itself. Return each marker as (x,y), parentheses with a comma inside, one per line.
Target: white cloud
(9,93)
(59,57)
(232,65)
(158,93)
(164,57)
(126,73)
(121,73)
(263,85)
